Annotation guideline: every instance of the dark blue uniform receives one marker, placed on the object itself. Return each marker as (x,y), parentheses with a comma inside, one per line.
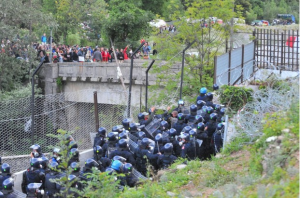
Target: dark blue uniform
(188,150)
(99,141)
(164,161)
(31,176)
(201,97)
(179,126)
(124,153)
(2,178)
(103,163)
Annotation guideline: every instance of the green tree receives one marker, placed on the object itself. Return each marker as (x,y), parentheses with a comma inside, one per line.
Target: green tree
(126,21)
(209,42)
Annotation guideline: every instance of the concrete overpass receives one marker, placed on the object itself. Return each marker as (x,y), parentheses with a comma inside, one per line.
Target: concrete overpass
(101,77)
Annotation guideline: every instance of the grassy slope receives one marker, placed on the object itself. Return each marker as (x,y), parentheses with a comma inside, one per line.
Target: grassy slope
(257,170)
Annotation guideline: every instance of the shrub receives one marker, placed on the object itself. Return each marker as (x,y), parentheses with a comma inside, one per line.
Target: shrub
(235,97)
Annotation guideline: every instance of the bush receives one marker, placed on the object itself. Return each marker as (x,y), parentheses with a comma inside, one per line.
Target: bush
(235,97)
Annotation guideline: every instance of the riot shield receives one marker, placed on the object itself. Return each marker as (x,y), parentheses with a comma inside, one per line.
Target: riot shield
(138,175)
(184,110)
(199,142)
(153,127)
(152,146)
(132,145)
(110,150)
(132,137)
(165,135)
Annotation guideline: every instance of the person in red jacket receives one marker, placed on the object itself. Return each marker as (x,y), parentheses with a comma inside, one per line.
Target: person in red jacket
(105,55)
(125,53)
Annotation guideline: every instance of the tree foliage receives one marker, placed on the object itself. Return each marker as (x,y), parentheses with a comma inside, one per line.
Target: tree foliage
(209,42)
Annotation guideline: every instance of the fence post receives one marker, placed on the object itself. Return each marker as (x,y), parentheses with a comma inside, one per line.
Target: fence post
(96,110)
(225,131)
(146,93)
(255,45)
(229,66)
(226,45)
(242,65)
(215,69)
(281,52)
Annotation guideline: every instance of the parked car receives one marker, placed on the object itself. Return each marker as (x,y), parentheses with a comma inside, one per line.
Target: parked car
(256,23)
(265,23)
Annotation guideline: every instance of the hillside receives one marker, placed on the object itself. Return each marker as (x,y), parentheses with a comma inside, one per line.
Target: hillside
(267,168)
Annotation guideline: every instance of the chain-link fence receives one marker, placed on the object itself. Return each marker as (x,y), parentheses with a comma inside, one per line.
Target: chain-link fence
(53,112)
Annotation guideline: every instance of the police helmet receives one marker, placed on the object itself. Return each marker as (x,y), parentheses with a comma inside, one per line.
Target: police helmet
(35,162)
(215,87)
(172,132)
(209,96)
(75,166)
(213,116)
(204,108)
(56,151)
(158,138)
(199,118)
(73,144)
(74,153)
(181,102)
(116,165)
(220,126)
(8,185)
(5,168)
(141,116)
(36,147)
(53,166)
(192,133)
(209,110)
(200,104)
(98,150)
(186,129)
(145,142)
(126,123)
(118,128)
(112,136)
(203,90)
(217,107)
(185,136)
(71,177)
(193,108)
(180,116)
(90,163)
(222,111)
(102,131)
(132,127)
(124,135)
(1,195)
(141,135)
(200,126)
(109,171)
(164,125)
(44,162)
(122,143)
(120,158)
(168,149)
(127,168)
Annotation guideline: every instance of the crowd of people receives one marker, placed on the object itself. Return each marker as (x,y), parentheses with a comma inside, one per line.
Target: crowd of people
(76,53)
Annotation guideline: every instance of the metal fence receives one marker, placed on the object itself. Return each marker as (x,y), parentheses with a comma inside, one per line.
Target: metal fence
(53,112)
(235,66)
(279,48)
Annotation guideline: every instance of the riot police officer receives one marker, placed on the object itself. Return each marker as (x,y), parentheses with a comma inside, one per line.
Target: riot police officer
(56,156)
(221,114)
(193,112)
(209,97)
(52,187)
(75,166)
(209,110)
(111,144)
(200,104)
(158,144)
(44,165)
(166,159)
(126,123)
(73,156)
(144,118)
(5,174)
(202,95)
(89,164)
(180,124)
(211,125)
(133,129)
(8,188)
(123,150)
(217,138)
(99,139)
(187,149)
(33,174)
(36,151)
(102,161)
(175,142)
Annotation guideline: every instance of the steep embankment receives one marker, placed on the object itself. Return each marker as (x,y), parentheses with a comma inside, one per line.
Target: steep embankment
(269,167)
